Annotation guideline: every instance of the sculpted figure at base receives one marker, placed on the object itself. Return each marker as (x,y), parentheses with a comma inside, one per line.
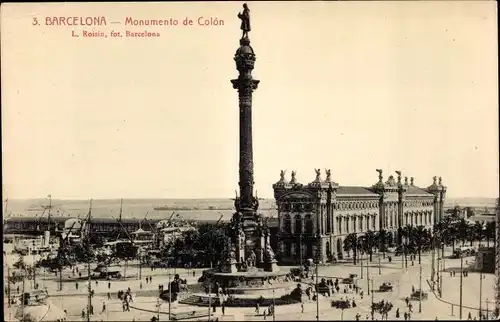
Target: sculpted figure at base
(269,253)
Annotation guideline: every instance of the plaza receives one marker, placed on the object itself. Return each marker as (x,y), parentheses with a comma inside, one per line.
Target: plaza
(145,296)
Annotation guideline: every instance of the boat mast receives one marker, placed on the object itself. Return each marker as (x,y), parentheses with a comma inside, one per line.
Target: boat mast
(121,209)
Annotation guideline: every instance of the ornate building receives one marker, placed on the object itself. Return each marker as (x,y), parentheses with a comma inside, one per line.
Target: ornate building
(315,218)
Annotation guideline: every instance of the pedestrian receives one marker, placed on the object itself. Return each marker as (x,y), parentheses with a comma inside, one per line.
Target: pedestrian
(96,283)
(397,313)
(413,289)
(257,311)
(223,308)
(140,285)
(91,310)
(83,313)
(76,285)
(469,317)
(109,296)
(407,300)
(103,307)
(302,307)
(80,274)
(194,273)
(410,307)
(109,285)
(214,306)
(406,316)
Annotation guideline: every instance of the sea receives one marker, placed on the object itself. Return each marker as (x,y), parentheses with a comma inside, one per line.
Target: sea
(188,209)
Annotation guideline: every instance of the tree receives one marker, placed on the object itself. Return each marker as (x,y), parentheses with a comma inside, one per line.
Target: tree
(384,239)
(463,230)
(489,232)
(370,241)
(420,238)
(61,261)
(351,242)
(450,232)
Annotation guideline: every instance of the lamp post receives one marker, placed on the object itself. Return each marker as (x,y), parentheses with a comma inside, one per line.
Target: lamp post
(461,282)
(169,296)
(317,293)
(379,267)
(274,307)
(420,293)
(481,294)
(361,264)
(373,301)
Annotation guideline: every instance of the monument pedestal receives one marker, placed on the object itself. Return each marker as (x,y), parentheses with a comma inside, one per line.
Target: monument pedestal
(229,266)
(271,266)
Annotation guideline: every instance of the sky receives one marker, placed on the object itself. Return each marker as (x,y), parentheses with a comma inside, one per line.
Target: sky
(348,86)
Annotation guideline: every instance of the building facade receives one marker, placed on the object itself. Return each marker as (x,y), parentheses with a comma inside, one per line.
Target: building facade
(315,218)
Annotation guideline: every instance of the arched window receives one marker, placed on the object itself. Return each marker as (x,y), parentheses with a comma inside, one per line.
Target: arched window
(298,224)
(309,225)
(287,224)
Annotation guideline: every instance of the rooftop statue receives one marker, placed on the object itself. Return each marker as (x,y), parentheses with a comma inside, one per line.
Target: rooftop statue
(293,180)
(440,181)
(282,175)
(318,174)
(380,176)
(434,180)
(245,21)
(411,181)
(328,175)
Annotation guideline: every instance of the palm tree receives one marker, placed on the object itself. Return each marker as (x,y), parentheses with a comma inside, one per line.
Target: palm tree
(463,230)
(384,239)
(450,232)
(351,242)
(370,240)
(489,232)
(420,238)
(479,231)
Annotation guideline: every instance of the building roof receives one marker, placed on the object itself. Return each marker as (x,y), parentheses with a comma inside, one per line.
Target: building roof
(349,190)
(484,218)
(412,190)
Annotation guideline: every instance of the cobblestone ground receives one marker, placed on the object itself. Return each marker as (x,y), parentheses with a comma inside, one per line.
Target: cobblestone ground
(144,306)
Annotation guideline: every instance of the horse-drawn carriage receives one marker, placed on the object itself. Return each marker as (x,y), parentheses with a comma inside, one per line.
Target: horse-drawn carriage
(341,304)
(419,293)
(351,279)
(386,287)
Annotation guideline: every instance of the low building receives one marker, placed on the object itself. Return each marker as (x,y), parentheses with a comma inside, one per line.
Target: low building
(315,218)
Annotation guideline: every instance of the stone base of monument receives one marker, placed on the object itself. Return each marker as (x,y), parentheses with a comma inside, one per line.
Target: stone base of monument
(243,288)
(271,266)
(229,267)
